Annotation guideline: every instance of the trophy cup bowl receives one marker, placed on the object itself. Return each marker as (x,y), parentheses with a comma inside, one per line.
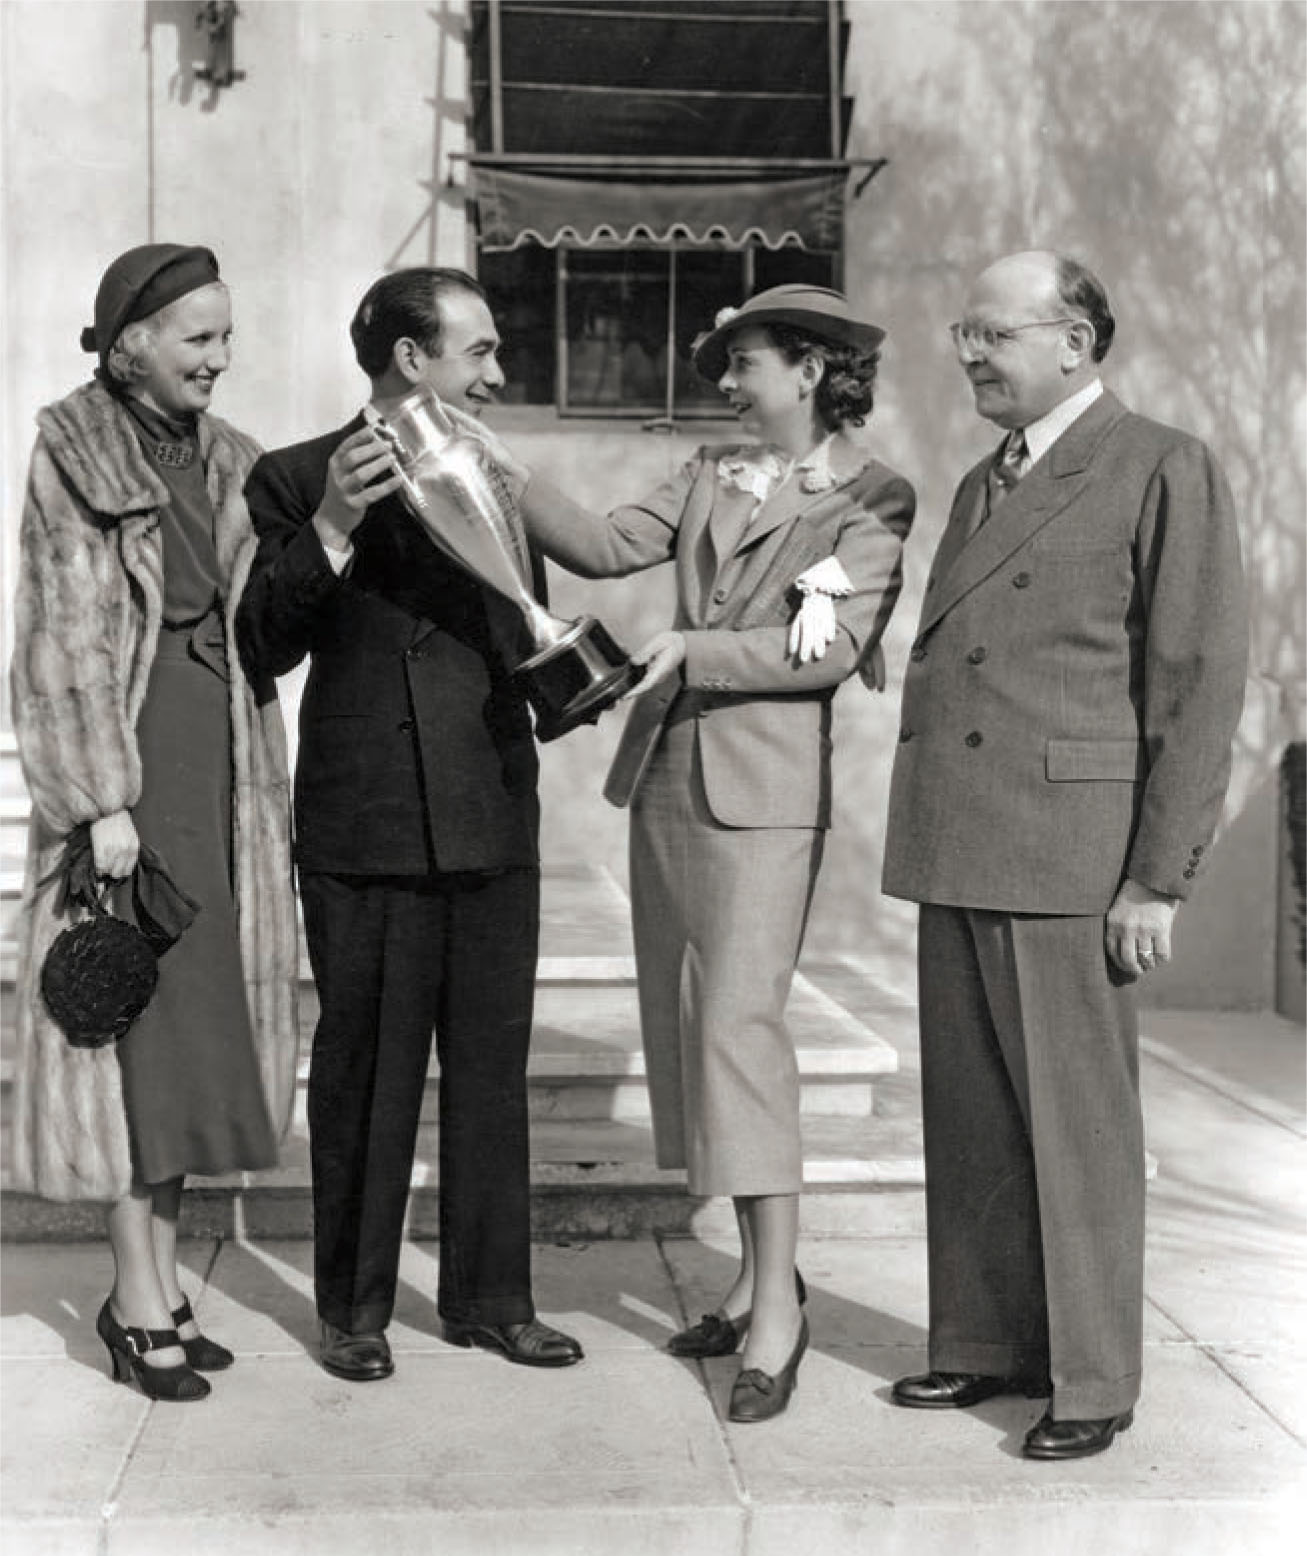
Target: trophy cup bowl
(457,493)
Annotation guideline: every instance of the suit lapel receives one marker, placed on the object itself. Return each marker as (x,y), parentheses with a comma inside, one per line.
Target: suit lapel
(1051,485)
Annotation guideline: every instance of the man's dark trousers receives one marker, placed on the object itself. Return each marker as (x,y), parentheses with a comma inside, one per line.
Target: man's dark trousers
(395,958)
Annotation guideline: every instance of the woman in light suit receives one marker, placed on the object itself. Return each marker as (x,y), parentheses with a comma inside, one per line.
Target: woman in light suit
(787,556)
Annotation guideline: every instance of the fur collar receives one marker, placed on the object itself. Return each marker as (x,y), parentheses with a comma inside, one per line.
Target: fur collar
(93,445)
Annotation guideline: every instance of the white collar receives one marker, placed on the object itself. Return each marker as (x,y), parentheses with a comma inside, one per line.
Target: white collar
(1042,434)
(762,469)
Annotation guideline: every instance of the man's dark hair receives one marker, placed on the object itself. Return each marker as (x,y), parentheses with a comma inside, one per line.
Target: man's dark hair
(1080,288)
(404,303)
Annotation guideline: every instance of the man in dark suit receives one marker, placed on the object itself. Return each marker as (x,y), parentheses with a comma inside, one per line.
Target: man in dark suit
(417,819)
(1068,713)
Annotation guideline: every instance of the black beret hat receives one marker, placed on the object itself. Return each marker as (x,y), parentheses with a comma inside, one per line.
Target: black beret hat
(142,281)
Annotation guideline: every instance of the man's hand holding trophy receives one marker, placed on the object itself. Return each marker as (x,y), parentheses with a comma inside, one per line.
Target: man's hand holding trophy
(463,487)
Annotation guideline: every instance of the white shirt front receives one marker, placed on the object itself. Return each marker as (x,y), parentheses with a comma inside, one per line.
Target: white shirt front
(1042,434)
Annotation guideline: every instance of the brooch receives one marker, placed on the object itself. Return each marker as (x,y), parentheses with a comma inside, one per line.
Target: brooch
(174,456)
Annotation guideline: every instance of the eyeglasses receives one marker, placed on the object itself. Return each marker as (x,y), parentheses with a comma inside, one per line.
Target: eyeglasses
(988,337)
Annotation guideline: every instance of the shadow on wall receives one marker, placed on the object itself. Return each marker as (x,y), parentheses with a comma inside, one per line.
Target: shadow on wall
(191,50)
(446,109)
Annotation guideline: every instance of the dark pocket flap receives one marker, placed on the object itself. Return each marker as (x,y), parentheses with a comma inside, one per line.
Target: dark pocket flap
(1070,761)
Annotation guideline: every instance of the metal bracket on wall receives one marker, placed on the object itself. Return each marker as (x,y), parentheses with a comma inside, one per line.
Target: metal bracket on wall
(217,18)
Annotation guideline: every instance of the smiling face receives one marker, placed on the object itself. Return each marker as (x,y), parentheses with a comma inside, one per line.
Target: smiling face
(773,397)
(1026,373)
(191,348)
(466,373)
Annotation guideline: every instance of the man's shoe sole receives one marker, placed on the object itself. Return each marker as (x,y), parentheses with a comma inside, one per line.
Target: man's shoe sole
(351,1376)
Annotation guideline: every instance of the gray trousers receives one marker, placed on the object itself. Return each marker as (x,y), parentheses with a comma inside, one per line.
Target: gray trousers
(1034,1155)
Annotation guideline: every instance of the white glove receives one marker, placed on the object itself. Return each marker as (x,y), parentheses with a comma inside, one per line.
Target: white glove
(813,630)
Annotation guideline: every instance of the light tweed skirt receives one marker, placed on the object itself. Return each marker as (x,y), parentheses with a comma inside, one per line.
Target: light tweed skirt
(719,915)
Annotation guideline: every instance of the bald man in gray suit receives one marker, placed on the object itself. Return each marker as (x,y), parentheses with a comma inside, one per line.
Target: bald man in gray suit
(1068,713)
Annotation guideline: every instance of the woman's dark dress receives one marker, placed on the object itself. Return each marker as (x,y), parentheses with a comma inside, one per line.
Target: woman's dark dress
(194,1100)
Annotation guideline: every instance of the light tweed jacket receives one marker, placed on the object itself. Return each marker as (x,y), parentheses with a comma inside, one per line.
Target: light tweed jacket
(763,721)
(88,609)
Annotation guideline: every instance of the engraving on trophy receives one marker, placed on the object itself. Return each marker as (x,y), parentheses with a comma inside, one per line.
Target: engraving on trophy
(458,494)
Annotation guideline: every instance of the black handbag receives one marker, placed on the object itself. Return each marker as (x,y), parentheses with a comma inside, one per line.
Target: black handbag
(101,972)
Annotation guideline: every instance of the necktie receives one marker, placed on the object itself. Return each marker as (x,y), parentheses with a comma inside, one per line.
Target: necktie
(1011,464)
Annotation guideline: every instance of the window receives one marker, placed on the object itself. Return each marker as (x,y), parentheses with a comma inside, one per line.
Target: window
(640,165)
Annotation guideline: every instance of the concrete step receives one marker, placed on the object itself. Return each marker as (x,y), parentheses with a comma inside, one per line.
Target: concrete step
(591,1178)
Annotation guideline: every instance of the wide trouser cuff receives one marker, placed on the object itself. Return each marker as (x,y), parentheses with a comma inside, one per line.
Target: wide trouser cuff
(370,1318)
(1095,1401)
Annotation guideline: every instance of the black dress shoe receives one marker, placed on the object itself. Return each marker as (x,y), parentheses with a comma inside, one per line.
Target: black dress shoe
(360,1358)
(716,1334)
(757,1396)
(1049,1439)
(950,1390)
(533,1344)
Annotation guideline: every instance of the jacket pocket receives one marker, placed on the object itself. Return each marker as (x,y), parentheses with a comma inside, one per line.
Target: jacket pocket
(1072,761)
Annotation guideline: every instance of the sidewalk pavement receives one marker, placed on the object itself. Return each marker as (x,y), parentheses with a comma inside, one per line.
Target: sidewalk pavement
(630,1454)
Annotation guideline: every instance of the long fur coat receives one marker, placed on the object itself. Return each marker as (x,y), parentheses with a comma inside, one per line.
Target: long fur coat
(88,610)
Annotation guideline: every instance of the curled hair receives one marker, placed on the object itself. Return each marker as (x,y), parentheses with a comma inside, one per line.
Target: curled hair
(1079,288)
(845,391)
(404,304)
(131,358)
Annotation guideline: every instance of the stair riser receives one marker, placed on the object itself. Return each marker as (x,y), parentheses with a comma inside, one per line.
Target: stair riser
(567,1212)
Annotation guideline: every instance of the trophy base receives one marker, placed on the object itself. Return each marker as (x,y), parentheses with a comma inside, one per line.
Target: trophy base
(574,680)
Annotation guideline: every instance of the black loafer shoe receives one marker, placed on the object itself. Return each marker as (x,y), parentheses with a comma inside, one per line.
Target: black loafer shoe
(1049,1439)
(532,1344)
(360,1358)
(757,1396)
(950,1390)
(717,1334)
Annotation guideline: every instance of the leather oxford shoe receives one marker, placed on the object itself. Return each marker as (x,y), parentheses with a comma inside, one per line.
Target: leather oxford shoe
(1049,1439)
(533,1344)
(951,1390)
(360,1358)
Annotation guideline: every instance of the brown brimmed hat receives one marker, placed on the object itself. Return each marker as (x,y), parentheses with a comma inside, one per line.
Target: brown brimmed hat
(142,281)
(816,310)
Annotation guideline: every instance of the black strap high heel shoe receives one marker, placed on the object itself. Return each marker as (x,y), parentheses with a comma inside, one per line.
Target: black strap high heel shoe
(127,1346)
(203,1354)
(717,1335)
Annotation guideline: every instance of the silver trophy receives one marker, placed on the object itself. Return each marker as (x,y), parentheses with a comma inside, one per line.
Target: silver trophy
(457,493)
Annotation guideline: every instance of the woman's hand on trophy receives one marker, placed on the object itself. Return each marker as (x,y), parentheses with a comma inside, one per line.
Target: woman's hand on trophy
(662,656)
(361,471)
(510,466)
(114,845)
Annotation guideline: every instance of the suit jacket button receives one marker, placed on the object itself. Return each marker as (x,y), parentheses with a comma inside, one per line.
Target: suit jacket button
(930,582)
(905,735)
(1021,581)
(404,725)
(918,652)
(975,738)
(977,656)
(719,596)
(1198,849)
(1189,874)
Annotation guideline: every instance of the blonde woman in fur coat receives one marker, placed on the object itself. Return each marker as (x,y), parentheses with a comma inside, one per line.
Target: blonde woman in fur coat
(136,722)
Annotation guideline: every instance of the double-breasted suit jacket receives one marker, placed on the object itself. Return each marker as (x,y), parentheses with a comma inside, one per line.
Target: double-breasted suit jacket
(1077,675)
(1068,712)
(763,721)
